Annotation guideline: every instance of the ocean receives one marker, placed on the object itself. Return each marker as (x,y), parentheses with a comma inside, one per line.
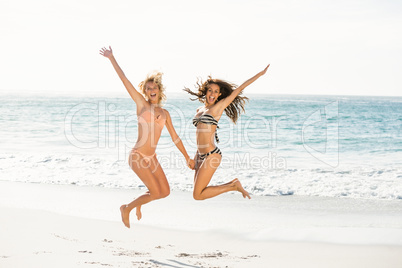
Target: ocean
(328,146)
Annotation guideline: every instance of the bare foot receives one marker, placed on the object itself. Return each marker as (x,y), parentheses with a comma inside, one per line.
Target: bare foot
(240,188)
(230,182)
(125,216)
(138,213)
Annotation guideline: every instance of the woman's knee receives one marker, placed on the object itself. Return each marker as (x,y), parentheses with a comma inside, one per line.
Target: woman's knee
(154,194)
(165,193)
(198,196)
(159,194)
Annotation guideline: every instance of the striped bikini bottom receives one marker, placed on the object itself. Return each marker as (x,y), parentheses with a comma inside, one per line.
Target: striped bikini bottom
(214,151)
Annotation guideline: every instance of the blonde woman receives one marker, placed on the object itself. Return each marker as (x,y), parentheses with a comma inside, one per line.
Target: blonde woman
(151,120)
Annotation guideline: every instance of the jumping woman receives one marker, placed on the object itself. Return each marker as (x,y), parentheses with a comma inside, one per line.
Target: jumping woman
(217,96)
(151,120)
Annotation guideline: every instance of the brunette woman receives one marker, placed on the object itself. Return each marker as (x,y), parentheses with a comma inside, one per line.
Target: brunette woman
(218,96)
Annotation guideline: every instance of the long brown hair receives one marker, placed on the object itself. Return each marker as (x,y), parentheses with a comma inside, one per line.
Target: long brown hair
(235,108)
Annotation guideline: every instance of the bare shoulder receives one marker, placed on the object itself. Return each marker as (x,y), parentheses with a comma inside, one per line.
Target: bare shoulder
(201,109)
(166,112)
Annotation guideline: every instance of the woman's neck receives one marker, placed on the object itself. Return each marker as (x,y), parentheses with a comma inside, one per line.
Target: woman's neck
(208,105)
(155,103)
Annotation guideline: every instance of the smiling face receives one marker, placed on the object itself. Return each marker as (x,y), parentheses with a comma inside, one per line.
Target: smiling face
(152,92)
(213,92)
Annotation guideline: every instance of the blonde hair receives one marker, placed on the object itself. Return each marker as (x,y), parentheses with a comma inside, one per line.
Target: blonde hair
(155,77)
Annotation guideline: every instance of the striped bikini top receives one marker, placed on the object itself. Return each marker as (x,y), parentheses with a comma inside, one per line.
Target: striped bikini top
(209,120)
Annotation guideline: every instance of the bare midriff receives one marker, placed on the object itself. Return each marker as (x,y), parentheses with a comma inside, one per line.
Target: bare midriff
(205,138)
(149,131)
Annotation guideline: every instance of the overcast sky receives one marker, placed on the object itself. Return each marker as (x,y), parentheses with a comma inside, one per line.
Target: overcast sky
(326,47)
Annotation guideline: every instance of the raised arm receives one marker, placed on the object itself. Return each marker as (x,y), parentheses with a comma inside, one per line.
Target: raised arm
(226,101)
(135,95)
(177,141)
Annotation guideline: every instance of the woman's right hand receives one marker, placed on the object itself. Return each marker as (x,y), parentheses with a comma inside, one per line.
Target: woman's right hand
(191,164)
(108,53)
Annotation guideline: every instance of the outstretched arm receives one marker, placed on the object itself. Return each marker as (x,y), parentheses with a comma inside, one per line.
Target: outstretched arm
(135,95)
(177,141)
(226,101)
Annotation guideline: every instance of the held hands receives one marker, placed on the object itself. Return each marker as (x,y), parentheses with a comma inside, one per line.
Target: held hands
(108,53)
(191,164)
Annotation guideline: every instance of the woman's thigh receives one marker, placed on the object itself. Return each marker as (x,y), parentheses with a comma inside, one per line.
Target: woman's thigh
(159,175)
(145,171)
(205,171)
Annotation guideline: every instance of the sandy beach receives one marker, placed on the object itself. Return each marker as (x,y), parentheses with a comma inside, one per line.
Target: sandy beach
(34,234)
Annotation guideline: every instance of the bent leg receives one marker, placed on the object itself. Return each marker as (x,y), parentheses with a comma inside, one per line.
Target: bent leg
(203,177)
(154,179)
(160,177)
(146,177)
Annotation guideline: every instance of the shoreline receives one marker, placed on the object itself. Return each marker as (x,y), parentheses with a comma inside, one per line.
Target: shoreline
(291,219)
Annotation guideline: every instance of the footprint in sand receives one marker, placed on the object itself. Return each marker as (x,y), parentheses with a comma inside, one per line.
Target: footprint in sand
(206,255)
(65,238)
(42,252)
(85,251)
(129,253)
(103,264)
(214,255)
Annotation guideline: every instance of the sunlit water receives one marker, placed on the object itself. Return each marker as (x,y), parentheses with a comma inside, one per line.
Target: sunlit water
(282,145)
